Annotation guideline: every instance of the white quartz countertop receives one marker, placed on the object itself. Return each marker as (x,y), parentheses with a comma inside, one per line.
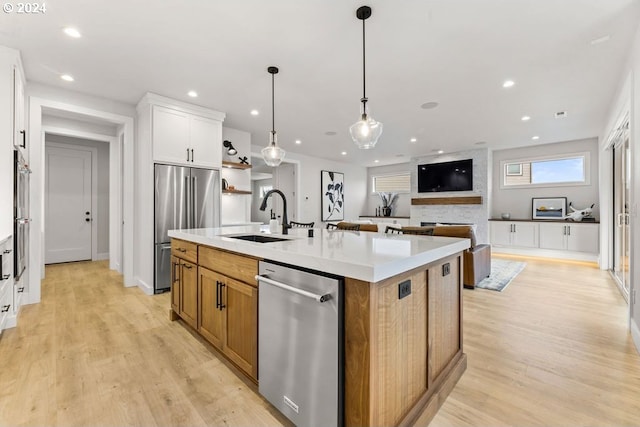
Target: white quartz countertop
(362,255)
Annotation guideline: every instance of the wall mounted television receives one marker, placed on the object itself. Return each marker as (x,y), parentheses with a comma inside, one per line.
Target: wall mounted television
(445,176)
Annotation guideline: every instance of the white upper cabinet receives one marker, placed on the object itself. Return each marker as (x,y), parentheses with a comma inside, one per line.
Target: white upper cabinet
(181,137)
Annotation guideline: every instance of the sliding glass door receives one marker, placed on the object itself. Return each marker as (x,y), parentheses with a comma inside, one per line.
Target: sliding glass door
(621,197)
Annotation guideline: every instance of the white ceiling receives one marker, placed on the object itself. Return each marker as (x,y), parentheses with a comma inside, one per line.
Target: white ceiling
(454,52)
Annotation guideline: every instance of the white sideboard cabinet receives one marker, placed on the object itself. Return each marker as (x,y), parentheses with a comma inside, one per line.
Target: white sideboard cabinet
(556,239)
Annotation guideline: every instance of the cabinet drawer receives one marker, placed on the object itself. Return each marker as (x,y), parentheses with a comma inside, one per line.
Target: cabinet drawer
(184,250)
(240,267)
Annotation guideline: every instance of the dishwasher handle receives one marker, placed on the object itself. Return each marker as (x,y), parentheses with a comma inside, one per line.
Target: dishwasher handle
(319,298)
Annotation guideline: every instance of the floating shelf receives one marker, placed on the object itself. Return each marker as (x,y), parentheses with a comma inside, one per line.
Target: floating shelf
(467,200)
(235,192)
(234,165)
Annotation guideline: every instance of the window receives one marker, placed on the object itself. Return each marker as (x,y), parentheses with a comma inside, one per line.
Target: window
(565,169)
(264,189)
(398,183)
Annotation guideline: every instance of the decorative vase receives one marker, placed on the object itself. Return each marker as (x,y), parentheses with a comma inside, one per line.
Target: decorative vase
(386,211)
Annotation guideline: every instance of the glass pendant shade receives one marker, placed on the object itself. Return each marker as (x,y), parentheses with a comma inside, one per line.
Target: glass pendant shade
(366,132)
(272,154)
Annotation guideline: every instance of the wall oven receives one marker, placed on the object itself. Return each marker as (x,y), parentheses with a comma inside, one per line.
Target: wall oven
(20,214)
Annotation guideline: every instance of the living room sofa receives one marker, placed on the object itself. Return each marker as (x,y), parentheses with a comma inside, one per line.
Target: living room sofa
(476,259)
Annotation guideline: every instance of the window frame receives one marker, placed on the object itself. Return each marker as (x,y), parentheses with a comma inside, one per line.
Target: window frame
(383,175)
(586,166)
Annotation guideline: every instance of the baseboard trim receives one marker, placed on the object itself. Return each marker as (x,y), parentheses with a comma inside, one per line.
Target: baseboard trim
(635,334)
(144,286)
(546,253)
(102,256)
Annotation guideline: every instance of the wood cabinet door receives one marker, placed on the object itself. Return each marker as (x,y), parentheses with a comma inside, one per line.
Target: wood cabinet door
(170,136)
(175,284)
(445,314)
(189,293)
(241,327)
(210,315)
(205,139)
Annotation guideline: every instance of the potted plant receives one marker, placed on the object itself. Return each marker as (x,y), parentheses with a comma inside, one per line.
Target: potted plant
(388,199)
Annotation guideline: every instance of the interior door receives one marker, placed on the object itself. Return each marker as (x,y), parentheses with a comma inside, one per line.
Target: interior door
(68,214)
(621,197)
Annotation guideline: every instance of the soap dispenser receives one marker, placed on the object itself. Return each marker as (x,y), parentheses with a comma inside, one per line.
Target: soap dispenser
(273,224)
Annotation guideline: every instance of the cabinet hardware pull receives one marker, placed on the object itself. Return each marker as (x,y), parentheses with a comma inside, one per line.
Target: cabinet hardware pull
(564,230)
(6,276)
(7,251)
(183,250)
(187,154)
(192,155)
(175,270)
(21,290)
(568,230)
(188,266)
(24,139)
(222,306)
(5,308)
(217,294)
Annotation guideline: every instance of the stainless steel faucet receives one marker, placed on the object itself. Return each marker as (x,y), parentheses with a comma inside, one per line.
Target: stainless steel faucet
(285,219)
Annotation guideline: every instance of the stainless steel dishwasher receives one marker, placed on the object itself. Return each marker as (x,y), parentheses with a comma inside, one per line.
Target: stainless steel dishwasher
(300,343)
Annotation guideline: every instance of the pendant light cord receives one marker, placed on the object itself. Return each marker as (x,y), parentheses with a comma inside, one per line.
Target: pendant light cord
(273,105)
(364,74)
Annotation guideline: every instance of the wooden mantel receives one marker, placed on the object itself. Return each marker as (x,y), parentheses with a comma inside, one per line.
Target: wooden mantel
(465,200)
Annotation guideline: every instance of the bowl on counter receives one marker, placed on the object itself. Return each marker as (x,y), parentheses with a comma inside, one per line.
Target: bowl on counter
(505,216)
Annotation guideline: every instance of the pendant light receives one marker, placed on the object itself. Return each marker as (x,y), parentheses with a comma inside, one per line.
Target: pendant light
(272,154)
(366,131)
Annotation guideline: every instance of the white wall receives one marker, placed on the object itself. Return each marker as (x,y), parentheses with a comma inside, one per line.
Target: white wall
(517,200)
(101,217)
(309,197)
(627,98)
(236,208)
(476,214)
(256,201)
(402,206)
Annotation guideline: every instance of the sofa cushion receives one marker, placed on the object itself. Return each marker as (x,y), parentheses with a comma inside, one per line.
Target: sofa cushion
(465,231)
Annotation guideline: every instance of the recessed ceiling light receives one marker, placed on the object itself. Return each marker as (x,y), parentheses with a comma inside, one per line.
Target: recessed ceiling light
(330,133)
(440,151)
(525,118)
(535,138)
(192,93)
(601,39)
(376,161)
(413,139)
(508,83)
(72,32)
(344,153)
(67,78)
(429,105)
(254,112)
(298,141)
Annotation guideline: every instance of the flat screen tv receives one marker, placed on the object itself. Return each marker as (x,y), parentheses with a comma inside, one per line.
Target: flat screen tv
(445,176)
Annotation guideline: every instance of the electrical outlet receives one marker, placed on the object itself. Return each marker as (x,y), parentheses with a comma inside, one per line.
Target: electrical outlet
(404,289)
(446,269)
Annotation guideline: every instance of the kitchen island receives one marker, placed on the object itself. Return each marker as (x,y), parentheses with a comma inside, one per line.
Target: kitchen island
(402,308)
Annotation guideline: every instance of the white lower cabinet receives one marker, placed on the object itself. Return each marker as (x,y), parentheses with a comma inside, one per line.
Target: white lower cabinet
(571,237)
(552,239)
(6,281)
(518,234)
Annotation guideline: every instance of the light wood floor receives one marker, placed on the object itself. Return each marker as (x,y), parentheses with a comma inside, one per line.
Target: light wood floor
(552,349)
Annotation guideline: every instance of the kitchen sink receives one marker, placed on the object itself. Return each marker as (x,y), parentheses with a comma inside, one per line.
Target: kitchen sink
(258,238)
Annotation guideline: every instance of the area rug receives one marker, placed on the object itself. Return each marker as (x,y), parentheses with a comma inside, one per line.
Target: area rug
(502,273)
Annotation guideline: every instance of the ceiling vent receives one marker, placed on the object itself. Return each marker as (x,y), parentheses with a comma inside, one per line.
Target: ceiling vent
(561,114)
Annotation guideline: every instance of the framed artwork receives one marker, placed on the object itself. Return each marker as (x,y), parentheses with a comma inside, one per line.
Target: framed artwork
(549,207)
(332,190)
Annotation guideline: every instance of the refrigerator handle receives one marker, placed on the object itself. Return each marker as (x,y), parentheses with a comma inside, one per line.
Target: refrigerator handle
(187,200)
(194,192)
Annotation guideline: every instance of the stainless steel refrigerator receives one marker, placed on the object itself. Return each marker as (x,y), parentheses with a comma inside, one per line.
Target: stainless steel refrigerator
(184,198)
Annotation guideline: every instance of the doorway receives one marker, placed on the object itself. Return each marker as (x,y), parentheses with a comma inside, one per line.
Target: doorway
(621,201)
(68,203)
(265,178)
